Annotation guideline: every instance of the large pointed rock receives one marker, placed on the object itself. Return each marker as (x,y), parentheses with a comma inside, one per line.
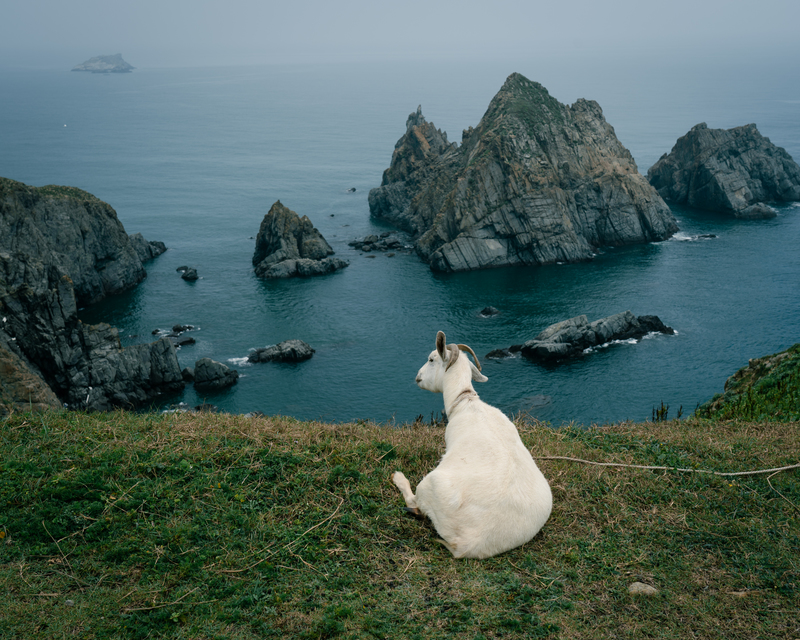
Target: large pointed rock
(535,182)
(288,246)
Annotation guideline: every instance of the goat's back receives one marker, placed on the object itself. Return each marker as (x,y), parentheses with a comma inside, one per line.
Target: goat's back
(487,495)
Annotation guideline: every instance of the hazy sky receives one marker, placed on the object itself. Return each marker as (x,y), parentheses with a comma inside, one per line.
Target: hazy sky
(200,32)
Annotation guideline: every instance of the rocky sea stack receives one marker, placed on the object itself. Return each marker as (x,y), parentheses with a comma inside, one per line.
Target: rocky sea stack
(105,64)
(728,170)
(61,248)
(288,246)
(536,182)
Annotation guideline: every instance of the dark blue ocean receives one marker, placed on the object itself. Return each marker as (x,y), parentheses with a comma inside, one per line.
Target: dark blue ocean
(195,157)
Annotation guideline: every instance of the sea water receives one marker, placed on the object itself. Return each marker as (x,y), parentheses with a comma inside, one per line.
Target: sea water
(196,157)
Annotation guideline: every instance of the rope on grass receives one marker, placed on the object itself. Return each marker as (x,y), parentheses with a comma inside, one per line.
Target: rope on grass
(640,466)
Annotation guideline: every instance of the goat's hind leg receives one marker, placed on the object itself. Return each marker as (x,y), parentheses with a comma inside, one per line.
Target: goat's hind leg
(402,483)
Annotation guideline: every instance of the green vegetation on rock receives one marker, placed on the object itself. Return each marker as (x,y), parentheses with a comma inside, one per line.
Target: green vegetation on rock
(767,388)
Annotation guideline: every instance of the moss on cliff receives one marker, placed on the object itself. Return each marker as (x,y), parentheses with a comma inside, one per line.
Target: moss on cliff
(767,388)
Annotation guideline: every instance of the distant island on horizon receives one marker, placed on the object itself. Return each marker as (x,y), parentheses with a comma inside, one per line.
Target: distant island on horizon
(105,64)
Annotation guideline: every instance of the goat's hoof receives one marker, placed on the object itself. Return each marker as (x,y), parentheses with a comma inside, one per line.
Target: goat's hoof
(414,511)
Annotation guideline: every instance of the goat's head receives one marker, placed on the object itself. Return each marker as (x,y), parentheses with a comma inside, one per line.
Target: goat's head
(431,376)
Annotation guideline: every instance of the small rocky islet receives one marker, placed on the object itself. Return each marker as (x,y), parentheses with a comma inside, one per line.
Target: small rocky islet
(736,171)
(288,246)
(105,64)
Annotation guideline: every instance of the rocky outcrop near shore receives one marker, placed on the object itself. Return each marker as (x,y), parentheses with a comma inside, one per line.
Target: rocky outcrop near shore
(105,64)
(286,351)
(146,250)
(734,171)
(61,248)
(211,376)
(536,182)
(289,246)
(570,338)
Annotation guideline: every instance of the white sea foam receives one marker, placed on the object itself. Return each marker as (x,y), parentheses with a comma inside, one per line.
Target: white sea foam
(685,237)
(240,362)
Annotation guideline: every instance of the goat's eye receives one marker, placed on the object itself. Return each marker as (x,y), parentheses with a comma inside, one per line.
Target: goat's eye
(430,359)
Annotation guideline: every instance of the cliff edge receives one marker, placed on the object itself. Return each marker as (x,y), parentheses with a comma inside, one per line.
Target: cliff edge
(61,248)
(536,182)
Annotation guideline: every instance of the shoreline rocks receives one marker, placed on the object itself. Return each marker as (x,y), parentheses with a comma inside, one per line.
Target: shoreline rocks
(289,246)
(536,182)
(734,171)
(61,247)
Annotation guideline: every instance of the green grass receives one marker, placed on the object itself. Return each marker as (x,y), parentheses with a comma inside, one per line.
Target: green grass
(129,525)
(767,388)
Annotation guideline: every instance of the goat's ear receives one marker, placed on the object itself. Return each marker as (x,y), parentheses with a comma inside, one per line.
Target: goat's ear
(477,376)
(441,346)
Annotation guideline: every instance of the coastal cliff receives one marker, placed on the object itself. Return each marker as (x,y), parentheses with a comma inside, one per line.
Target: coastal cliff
(61,248)
(728,170)
(536,182)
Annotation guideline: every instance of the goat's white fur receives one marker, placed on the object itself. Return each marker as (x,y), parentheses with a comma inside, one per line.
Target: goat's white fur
(486,495)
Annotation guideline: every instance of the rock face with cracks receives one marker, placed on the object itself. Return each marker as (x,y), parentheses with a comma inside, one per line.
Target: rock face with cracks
(289,246)
(536,182)
(733,171)
(61,247)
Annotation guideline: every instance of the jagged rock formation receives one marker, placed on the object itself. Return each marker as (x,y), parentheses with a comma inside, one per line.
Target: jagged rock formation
(146,250)
(74,229)
(535,182)
(735,171)
(105,64)
(210,375)
(61,247)
(569,338)
(22,389)
(286,351)
(288,246)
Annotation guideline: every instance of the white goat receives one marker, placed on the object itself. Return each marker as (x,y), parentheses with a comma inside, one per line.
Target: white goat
(486,495)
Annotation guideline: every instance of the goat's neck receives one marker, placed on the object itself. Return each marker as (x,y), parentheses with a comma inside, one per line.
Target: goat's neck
(457,389)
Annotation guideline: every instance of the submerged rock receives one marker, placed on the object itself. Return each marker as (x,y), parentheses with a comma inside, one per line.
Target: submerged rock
(288,246)
(571,337)
(535,182)
(190,274)
(733,171)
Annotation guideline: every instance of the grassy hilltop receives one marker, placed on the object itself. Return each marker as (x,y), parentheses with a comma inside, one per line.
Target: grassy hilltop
(129,525)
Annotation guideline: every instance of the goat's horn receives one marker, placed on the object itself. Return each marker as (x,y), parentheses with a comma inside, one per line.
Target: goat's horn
(454,353)
(464,347)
